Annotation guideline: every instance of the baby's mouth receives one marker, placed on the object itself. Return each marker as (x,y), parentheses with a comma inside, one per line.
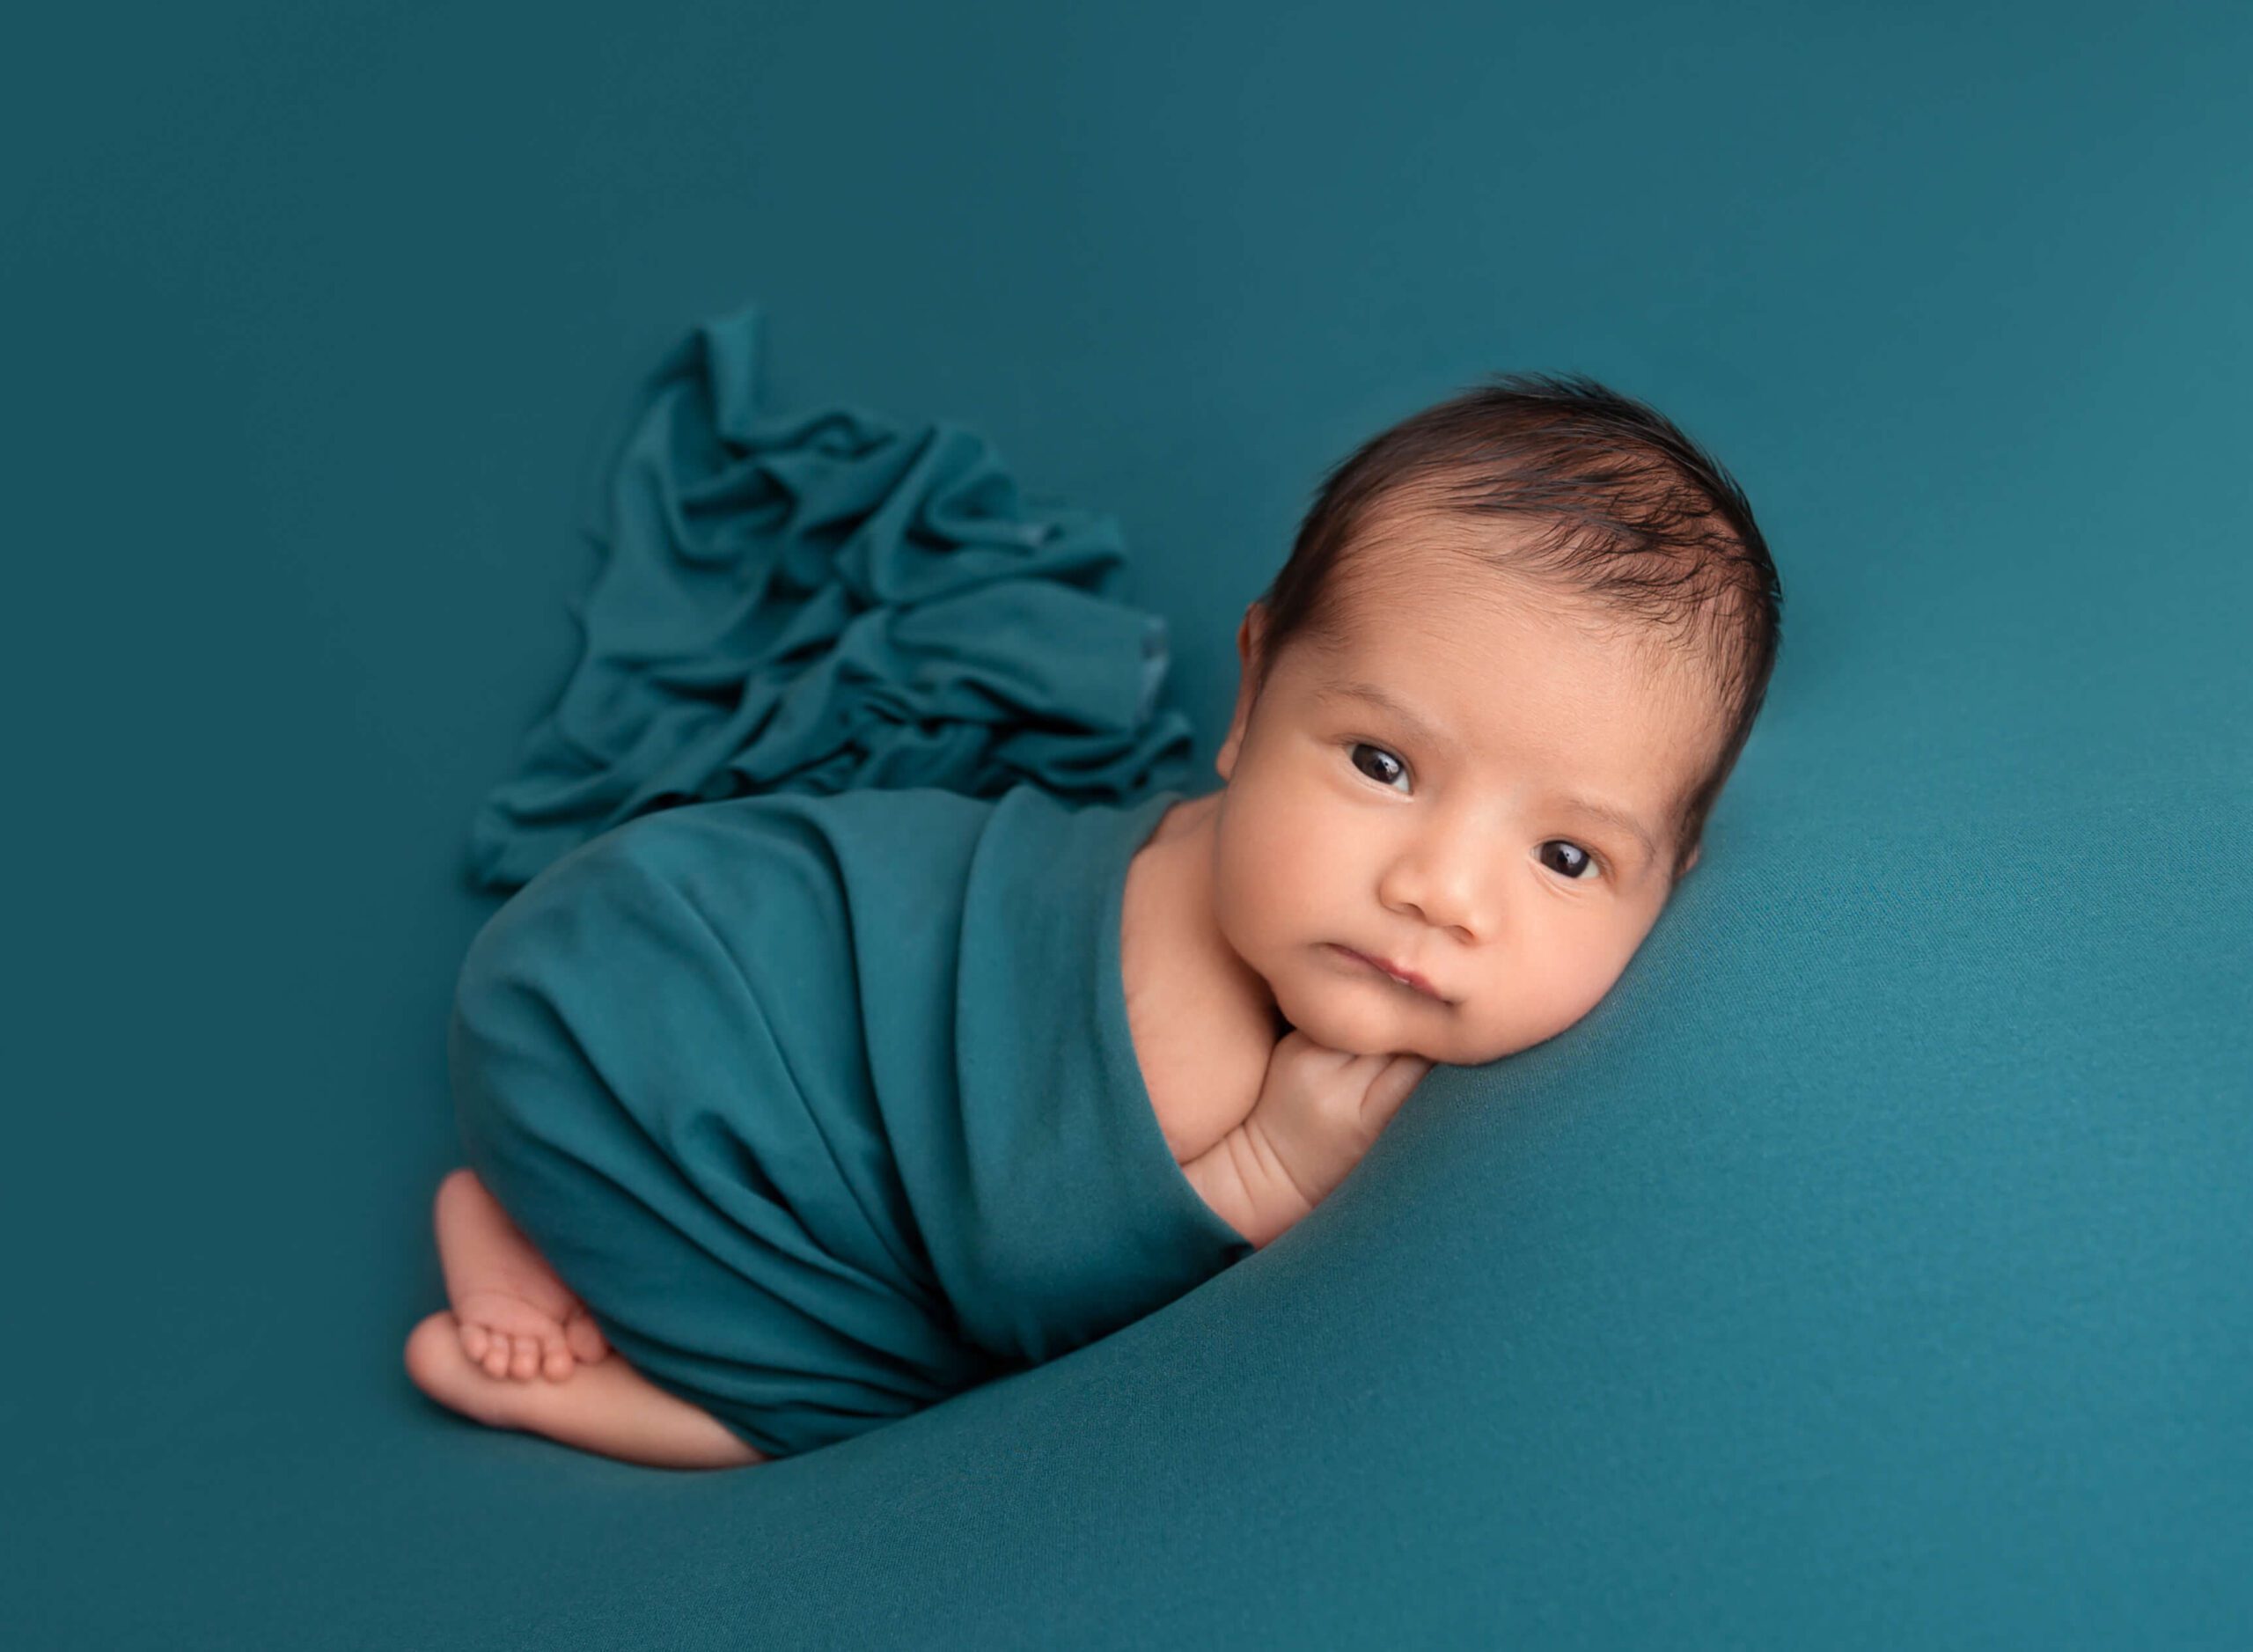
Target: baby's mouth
(1371,963)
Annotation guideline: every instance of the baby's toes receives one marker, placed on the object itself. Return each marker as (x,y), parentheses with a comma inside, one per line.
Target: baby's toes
(584,1339)
(525,1365)
(556,1363)
(475,1339)
(496,1355)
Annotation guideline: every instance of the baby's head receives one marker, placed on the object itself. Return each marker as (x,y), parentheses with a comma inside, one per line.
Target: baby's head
(1486,707)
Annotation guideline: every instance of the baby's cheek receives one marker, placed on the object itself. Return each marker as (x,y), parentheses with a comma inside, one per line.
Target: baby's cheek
(1515,1018)
(1253,878)
(1575,988)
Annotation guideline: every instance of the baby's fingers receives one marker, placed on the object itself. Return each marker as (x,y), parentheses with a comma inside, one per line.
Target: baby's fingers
(1392,1087)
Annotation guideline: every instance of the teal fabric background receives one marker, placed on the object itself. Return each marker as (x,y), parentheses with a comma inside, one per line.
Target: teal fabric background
(1868,1270)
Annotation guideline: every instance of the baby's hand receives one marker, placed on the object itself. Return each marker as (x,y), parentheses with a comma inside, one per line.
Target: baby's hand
(1320,1110)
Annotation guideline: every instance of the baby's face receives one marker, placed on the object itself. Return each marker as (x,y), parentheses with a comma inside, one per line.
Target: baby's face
(1452,845)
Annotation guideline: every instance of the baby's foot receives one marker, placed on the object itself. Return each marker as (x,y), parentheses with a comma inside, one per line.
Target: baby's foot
(516,1319)
(511,1335)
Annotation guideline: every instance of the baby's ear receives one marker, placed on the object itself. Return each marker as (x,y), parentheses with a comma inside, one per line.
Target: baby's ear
(1251,641)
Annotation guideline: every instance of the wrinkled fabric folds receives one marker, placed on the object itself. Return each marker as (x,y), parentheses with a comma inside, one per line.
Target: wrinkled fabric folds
(817,601)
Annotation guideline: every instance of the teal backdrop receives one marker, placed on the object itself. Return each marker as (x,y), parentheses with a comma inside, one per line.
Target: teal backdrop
(1870,1269)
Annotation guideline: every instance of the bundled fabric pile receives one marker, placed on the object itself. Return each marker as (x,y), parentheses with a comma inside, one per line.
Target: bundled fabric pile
(820,601)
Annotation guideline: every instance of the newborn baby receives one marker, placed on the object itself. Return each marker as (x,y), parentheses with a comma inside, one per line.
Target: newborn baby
(1485,711)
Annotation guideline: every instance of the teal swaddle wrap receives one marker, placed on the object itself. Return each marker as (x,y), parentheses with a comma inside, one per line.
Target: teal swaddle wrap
(828,1106)
(801,1050)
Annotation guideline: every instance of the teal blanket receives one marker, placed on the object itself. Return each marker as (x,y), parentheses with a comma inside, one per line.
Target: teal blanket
(828,1106)
(827,600)
(801,1050)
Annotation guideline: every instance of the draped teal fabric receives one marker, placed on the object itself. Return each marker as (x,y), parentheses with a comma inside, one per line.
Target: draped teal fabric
(813,600)
(828,1106)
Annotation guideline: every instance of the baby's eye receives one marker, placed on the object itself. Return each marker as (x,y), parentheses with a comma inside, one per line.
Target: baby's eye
(1571,869)
(1578,862)
(1353,746)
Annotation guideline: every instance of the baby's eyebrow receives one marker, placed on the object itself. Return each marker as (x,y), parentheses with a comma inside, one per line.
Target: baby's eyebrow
(1432,735)
(1418,724)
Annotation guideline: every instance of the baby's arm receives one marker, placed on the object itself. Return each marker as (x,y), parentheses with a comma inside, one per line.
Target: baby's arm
(1244,1190)
(1319,1111)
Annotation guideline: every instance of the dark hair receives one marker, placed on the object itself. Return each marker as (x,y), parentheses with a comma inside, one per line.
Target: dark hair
(1633,514)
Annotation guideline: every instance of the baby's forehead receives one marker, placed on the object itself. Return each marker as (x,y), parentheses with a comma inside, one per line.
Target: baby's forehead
(1435,637)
